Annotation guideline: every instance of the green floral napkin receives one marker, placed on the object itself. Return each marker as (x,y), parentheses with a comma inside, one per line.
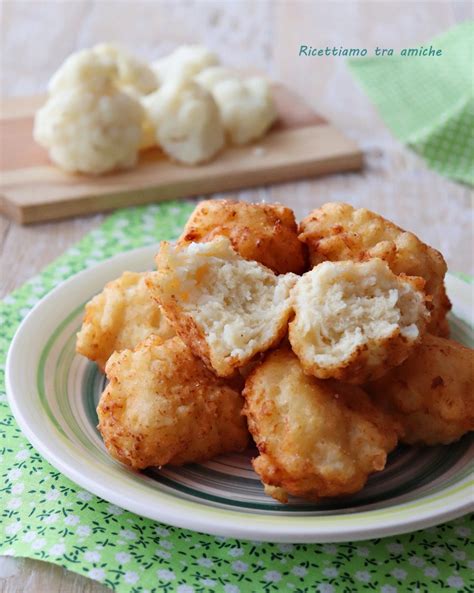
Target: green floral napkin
(44,515)
(428,101)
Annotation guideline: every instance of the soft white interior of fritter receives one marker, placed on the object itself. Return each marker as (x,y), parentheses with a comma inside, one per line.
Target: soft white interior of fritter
(237,303)
(349,304)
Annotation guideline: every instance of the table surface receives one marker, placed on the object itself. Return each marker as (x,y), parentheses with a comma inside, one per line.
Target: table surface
(267,35)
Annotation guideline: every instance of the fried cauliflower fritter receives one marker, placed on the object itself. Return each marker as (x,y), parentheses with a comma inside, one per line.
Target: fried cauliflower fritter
(162,406)
(337,232)
(315,438)
(225,308)
(355,320)
(431,394)
(120,317)
(266,233)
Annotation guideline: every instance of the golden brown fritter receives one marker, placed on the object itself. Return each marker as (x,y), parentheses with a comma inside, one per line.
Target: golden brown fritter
(120,317)
(355,320)
(225,308)
(337,232)
(316,438)
(266,233)
(162,406)
(431,394)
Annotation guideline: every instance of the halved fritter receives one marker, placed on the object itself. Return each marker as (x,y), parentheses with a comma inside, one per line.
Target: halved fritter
(355,320)
(225,308)
(338,232)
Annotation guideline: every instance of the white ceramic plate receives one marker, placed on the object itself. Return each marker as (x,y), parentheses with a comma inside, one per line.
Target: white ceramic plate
(53,393)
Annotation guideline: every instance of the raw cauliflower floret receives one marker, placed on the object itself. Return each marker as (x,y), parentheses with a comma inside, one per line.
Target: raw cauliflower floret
(102,68)
(91,132)
(186,121)
(185,62)
(245,104)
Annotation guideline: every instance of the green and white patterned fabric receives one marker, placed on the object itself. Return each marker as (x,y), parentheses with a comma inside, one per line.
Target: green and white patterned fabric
(44,515)
(428,102)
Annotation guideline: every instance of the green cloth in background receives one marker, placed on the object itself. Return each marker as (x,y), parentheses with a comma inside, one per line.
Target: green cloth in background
(44,515)
(428,102)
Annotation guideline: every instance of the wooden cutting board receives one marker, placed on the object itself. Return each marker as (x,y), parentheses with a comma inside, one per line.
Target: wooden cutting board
(32,189)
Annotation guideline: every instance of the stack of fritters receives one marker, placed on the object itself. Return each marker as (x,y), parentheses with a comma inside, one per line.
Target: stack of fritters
(327,341)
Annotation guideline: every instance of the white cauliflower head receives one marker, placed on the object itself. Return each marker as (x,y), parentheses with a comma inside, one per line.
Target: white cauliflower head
(186,120)
(90,132)
(245,104)
(185,62)
(93,121)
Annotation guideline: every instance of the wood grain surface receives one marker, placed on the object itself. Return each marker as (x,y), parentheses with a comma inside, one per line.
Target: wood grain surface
(395,182)
(301,144)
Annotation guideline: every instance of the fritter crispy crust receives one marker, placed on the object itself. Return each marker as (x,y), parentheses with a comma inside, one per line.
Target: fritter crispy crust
(355,320)
(226,309)
(120,317)
(337,231)
(316,438)
(431,394)
(266,233)
(162,406)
